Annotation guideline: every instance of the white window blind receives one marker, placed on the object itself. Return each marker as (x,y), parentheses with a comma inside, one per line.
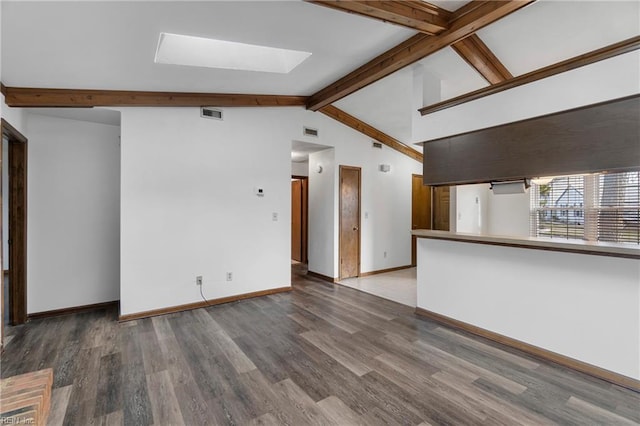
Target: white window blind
(596,207)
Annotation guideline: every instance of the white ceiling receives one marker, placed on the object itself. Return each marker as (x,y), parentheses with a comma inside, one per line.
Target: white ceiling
(111,45)
(543,33)
(93,115)
(300,150)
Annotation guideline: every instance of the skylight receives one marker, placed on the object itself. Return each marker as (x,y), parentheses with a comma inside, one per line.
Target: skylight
(178,49)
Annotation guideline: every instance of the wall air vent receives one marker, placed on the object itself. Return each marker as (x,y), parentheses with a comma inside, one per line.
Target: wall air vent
(308,131)
(207,112)
(375,144)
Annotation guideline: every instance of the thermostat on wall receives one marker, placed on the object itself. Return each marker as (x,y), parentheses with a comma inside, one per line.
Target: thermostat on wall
(259,191)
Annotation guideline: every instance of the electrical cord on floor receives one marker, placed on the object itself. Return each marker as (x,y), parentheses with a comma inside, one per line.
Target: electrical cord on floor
(204,298)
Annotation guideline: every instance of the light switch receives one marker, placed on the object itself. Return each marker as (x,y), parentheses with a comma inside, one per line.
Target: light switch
(274,216)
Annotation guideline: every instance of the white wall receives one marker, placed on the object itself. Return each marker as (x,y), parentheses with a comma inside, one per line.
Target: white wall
(472,208)
(508,214)
(188,206)
(385,197)
(300,169)
(582,306)
(479,211)
(17,117)
(322,213)
(73,216)
(609,79)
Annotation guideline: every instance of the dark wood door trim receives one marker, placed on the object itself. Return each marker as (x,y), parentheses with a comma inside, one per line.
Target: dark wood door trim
(359,170)
(17,167)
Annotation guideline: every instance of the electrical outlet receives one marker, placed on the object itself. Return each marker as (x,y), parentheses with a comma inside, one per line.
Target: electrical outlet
(199,280)
(229,276)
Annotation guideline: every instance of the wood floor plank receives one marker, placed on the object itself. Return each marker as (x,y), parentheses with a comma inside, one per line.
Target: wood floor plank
(302,403)
(446,406)
(113,419)
(266,419)
(59,403)
(320,354)
(164,403)
(322,342)
(499,409)
(339,413)
(234,354)
(599,414)
(151,355)
(331,319)
(109,397)
(364,308)
(455,365)
(499,353)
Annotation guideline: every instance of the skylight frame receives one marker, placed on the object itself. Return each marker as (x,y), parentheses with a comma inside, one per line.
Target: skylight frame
(177,49)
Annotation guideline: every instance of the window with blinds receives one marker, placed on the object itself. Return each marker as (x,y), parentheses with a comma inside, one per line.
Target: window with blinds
(596,207)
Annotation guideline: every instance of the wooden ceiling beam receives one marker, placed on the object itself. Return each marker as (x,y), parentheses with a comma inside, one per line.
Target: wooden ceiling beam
(366,129)
(38,98)
(414,14)
(479,56)
(607,52)
(414,49)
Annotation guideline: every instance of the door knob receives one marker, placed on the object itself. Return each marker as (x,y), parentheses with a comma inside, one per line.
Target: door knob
(355,228)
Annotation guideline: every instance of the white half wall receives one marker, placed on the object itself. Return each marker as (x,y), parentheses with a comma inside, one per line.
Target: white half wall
(73,217)
(582,306)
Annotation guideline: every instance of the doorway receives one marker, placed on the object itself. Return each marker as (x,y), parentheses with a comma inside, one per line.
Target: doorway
(299,218)
(349,208)
(17,238)
(420,210)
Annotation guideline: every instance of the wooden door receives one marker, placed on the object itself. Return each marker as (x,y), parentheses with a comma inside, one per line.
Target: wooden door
(296,220)
(349,222)
(441,208)
(420,210)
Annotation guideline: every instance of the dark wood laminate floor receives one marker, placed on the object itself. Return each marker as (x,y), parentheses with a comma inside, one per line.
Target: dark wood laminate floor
(321,354)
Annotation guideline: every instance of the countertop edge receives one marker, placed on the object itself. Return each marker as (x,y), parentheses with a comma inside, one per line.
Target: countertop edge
(578,246)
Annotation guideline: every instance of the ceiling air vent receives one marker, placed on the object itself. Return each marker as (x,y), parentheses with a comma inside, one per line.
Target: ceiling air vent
(376,145)
(207,112)
(308,131)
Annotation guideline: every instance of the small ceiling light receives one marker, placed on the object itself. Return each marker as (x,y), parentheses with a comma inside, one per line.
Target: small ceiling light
(178,49)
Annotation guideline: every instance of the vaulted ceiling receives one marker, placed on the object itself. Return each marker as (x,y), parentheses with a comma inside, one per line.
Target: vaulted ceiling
(111,45)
